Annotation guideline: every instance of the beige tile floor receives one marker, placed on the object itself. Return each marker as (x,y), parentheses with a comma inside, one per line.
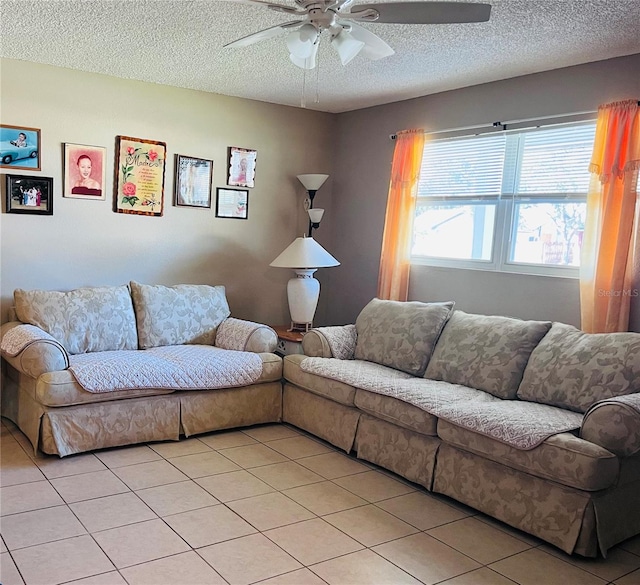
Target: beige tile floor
(269,505)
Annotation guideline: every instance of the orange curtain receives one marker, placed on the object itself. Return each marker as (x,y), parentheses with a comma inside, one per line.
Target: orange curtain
(611,243)
(393,279)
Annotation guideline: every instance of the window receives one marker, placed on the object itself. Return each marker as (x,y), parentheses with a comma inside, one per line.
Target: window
(508,201)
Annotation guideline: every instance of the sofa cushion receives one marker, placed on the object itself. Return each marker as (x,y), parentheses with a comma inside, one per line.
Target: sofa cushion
(400,335)
(572,369)
(562,458)
(396,411)
(82,320)
(333,389)
(175,315)
(485,352)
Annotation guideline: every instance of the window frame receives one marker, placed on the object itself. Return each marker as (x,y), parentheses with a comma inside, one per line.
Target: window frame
(505,225)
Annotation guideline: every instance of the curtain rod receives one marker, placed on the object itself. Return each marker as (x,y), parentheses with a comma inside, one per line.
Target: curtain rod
(501,126)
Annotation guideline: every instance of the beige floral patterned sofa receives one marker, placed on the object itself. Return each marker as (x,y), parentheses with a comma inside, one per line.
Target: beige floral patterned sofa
(75,378)
(534,423)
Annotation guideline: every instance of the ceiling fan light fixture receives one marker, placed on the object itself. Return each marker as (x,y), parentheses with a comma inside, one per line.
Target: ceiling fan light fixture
(374,47)
(301,42)
(306,62)
(346,46)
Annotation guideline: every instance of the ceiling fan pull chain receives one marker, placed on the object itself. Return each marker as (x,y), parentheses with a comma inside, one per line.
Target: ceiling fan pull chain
(317,100)
(303,99)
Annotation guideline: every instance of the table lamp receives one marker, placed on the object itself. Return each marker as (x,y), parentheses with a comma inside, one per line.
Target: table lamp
(305,256)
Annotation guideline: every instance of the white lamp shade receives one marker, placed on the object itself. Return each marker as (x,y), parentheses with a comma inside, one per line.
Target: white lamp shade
(304,253)
(308,62)
(315,214)
(374,47)
(346,46)
(312,182)
(301,42)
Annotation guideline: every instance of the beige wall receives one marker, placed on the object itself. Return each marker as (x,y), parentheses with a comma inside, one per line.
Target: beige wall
(361,180)
(86,243)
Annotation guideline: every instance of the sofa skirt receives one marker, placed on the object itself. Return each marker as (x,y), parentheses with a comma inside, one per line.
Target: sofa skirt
(555,513)
(405,452)
(324,418)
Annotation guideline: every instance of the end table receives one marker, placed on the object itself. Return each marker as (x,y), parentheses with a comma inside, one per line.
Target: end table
(289,342)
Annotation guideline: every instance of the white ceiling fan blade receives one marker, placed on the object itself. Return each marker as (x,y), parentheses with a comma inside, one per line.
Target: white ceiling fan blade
(421,12)
(271,5)
(262,35)
(374,47)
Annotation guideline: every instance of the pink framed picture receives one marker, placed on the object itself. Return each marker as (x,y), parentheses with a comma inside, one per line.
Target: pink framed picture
(85,172)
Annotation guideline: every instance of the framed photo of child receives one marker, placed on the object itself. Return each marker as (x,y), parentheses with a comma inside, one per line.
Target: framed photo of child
(85,171)
(19,147)
(242,166)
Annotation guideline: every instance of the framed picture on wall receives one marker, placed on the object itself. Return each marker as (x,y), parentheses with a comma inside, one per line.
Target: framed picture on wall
(139,176)
(233,203)
(28,194)
(242,166)
(193,181)
(19,147)
(85,171)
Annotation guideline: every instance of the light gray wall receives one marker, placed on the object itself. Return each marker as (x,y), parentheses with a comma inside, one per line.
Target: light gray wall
(85,243)
(361,181)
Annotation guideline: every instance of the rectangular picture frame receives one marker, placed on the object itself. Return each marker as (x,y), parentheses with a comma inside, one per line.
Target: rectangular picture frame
(242,167)
(85,172)
(139,176)
(194,177)
(20,148)
(232,203)
(28,194)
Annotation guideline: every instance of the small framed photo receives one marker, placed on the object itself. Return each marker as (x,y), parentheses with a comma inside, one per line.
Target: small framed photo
(19,147)
(242,166)
(27,194)
(232,203)
(193,181)
(85,171)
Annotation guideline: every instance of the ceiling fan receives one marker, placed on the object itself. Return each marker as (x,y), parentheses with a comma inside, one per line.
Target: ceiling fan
(339,18)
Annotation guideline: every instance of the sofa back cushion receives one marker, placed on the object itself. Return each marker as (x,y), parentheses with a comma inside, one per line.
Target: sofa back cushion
(573,369)
(175,315)
(82,320)
(400,335)
(488,353)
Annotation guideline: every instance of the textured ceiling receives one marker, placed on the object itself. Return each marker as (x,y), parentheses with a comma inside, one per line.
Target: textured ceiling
(180,43)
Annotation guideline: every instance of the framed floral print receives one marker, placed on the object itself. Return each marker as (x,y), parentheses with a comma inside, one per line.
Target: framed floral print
(139,176)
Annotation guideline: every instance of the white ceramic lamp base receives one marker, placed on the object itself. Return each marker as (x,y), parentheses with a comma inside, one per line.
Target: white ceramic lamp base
(303,293)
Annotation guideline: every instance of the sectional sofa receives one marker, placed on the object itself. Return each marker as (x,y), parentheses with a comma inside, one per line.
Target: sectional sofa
(107,366)
(534,423)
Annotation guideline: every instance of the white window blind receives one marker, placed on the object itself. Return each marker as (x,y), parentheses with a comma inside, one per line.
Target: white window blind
(555,161)
(463,168)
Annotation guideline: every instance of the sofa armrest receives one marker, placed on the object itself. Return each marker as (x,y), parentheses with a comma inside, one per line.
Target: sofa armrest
(241,335)
(31,350)
(614,424)
(337,342)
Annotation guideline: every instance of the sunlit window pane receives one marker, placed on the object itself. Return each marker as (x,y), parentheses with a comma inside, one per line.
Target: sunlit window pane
(464,232)
(548,233)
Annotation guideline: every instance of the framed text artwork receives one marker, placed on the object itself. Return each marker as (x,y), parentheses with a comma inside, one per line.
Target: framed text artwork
(139,176)
(19,147)
(29,194)
(193,181)
(85,171)
(232,203)
(242,166)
